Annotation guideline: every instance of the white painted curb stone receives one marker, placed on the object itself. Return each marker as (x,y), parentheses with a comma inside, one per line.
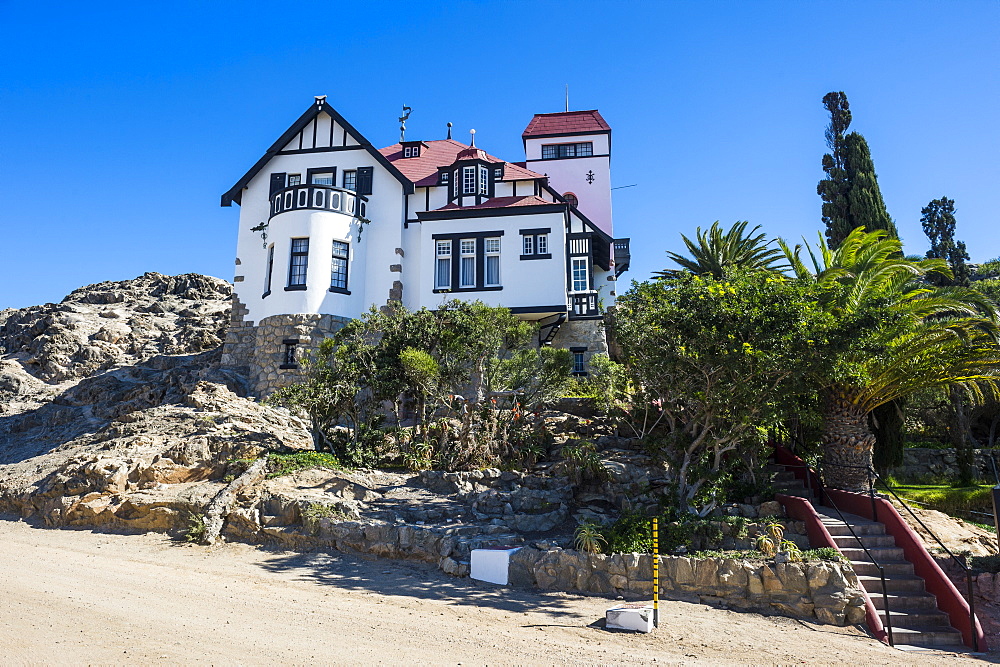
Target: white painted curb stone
(630,617)
(492,565)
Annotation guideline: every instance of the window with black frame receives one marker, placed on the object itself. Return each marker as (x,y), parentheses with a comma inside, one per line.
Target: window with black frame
(338,271)
(298,264)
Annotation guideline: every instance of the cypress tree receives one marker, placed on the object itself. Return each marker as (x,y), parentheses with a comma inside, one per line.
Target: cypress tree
(834,188)
(850,192)
(865,204)
(938,221)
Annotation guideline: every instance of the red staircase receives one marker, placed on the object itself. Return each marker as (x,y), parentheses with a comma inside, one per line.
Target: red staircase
(924,607)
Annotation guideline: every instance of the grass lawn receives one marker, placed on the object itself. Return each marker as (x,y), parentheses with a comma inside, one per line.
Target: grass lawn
(946,498)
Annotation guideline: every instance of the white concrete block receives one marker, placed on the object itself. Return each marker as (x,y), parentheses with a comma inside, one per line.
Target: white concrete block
(492,565)
(636,617)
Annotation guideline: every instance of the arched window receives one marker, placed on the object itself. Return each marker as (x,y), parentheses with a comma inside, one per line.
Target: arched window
(571,199)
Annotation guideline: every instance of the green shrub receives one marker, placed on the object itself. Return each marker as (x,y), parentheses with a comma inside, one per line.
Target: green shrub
(313,512)
(285,464)
(986,563)
(823,553)
(631,533)
(196,527)
(588,538)
(948,499)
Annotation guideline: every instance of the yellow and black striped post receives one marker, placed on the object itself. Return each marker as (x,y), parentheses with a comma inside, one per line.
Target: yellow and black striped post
(656,573)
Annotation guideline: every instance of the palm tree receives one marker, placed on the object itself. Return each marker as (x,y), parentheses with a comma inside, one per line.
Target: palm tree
(892,333)
(714,251)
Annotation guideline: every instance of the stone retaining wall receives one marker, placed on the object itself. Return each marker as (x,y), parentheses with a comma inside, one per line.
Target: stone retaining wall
(925,462)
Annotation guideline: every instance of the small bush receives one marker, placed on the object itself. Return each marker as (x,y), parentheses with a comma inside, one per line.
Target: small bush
(285,464)
(196,528)
(312,514)
(588,538)
(948,499)
(823,553)
(631,533)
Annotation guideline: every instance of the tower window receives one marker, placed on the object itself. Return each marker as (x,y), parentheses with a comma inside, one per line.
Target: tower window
(579,360)
(554,151)
(298,264)
(289,358)
(484,181)
(294,179)
(270,270)
(338,266)
(350,179)
(571,199)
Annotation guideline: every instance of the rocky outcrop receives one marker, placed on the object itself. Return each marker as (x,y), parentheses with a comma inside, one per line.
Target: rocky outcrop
(116,323)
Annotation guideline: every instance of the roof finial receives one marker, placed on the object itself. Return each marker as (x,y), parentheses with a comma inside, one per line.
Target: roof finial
(402,123)
(473,133)
(320,99)
(567,98)
(449,130)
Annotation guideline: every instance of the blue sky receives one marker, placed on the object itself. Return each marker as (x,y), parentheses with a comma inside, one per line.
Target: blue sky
(121,125)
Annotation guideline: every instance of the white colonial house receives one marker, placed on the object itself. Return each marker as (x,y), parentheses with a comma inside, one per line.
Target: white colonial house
(330,225)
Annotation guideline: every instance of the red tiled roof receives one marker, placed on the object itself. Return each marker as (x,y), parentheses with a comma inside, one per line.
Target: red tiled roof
(503,202)
(423,170)
(567,121)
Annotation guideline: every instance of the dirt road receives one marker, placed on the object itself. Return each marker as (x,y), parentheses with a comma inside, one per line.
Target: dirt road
(82,597)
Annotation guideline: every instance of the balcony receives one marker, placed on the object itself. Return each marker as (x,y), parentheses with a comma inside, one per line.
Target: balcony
(584,306)
(623,256)
(318,198)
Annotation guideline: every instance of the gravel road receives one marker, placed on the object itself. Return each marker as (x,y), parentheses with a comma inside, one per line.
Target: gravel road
(73,596)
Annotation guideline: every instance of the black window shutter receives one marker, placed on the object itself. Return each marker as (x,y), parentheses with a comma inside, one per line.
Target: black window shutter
(364,184)
(277,182)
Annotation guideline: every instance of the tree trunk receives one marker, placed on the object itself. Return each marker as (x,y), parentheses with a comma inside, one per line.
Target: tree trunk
(847,442)
(218,509)
(887,424)
(961,438)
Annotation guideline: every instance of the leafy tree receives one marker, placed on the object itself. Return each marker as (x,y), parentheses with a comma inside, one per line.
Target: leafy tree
(894,334)
(468,371)
(938,221)
(714,251)
(850,192)
(712,360)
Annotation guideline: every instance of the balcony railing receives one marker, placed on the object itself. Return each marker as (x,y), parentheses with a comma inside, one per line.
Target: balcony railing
(318,197)
(623,257)
(583,305)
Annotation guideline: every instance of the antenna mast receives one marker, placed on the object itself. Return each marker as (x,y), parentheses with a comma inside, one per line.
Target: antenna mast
(567,97)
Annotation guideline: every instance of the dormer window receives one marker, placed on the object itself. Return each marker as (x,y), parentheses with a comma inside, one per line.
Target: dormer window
(484,181)
(411,151)
(468,180)
(498,173)
(445,178)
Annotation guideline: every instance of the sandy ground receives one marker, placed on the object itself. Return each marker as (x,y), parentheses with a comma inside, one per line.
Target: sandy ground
(70,596)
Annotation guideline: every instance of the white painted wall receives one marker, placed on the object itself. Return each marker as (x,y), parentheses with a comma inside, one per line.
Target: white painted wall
(526,283)
(570,175)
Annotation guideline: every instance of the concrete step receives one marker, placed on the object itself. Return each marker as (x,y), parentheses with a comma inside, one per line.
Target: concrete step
(783,476)
(929,637)
(799,493)
(880,554)
(851,542)
(899,584)
(892,568)
(903,601)
(840,528)
(927,618)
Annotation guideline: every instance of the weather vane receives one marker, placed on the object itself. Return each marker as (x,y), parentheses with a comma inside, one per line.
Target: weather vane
(402,123)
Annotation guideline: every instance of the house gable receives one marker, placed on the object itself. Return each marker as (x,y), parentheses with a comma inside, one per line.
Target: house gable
(320,129)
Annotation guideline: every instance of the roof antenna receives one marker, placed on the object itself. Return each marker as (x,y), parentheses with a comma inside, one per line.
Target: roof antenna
(402,123)
(473,133)
(449,130)
(567,98)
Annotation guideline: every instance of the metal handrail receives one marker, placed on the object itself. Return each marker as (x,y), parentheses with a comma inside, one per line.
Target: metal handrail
(881,570)
(968,573)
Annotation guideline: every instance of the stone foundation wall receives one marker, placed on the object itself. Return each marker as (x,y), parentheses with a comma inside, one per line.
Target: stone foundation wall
(826,591)
(924,462)
(582,333)
(257,352)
